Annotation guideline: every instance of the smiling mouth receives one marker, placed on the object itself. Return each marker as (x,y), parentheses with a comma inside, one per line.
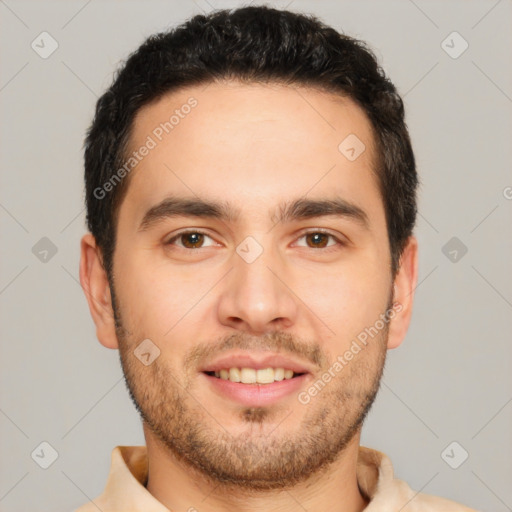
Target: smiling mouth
(254,376)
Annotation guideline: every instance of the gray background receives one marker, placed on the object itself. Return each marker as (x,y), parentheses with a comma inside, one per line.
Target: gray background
(447,382)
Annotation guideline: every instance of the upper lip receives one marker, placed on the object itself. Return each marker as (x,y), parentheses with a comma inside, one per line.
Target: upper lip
(258,361)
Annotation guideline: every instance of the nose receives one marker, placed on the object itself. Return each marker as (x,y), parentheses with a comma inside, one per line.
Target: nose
(256,297)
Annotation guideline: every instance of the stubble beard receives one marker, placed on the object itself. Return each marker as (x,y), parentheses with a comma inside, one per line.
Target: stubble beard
(263,456)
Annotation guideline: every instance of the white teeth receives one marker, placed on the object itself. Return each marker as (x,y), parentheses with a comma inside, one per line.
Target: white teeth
(252,376)
(279,374)
(234,375)
(248,376)
(265,376)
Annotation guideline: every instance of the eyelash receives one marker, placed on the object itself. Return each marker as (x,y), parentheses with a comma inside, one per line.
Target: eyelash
(339,243)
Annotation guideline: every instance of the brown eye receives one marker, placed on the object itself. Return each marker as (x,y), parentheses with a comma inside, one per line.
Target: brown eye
(318,240)
(192,240)
(321,240)
(189,240)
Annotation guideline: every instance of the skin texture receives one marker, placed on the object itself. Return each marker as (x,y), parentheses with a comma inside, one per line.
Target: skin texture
(253,146)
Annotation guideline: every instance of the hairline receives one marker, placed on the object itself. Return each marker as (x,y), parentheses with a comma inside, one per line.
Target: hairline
(335,93)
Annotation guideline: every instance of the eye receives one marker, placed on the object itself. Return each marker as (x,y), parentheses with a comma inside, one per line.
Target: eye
(319,239)
(189,239)
(194,239)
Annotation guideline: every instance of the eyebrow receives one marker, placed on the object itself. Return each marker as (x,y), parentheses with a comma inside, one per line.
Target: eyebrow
(298,209)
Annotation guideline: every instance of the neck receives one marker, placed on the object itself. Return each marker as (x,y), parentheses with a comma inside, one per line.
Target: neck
(179,487)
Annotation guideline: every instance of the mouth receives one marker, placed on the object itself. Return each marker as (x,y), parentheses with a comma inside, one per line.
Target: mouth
(256,380)
(262,376)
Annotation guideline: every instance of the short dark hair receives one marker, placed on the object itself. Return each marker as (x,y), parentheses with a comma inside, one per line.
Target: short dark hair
(254,45)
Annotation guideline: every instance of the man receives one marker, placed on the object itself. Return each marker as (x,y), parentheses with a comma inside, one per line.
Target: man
(251,196)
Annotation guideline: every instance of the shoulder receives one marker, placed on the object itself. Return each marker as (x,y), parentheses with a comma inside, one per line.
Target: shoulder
(386,493)
(420,502)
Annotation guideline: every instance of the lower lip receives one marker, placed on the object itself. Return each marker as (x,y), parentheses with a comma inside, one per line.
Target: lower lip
(255,395)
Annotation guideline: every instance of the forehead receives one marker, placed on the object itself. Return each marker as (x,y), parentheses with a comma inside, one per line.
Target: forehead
(251,144)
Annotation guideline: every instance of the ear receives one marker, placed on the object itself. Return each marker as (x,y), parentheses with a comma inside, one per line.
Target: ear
(94,281)
(403,297)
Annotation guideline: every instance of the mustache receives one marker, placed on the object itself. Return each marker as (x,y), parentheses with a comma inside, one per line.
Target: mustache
(279,342)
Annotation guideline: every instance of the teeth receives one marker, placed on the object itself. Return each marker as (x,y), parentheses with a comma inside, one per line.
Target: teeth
(265,376)
(234,375)
(248,375)
(279,374)
(252,376)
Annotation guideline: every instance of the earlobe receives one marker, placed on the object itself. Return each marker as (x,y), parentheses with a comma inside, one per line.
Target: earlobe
(403,298)
(94,281)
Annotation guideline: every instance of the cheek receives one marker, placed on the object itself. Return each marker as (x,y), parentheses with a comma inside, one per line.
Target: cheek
(153,299)
(347,299)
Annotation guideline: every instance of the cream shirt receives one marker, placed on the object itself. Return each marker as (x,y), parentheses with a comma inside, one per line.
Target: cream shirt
(125,491)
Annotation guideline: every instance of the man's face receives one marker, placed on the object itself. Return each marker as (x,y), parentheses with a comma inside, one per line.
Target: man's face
(253,291)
